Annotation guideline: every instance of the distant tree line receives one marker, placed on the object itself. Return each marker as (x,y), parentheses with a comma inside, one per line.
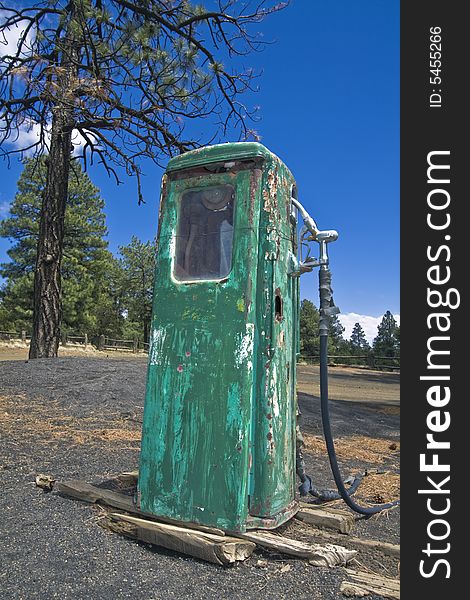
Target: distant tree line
(385,344)
(101,293)
(109,295)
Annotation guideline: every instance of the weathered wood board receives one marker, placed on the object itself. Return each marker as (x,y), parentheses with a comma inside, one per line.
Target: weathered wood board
(330,518)
(328,555)
(363,584)
(384,547)
(214,544)
(218,549)
(81,490)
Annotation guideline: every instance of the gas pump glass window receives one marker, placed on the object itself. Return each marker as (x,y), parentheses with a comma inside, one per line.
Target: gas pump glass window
(205,234)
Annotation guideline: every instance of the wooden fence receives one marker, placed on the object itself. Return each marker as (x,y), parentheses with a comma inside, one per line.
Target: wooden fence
(373,361)
(102,342)
(107,343)
(14,336)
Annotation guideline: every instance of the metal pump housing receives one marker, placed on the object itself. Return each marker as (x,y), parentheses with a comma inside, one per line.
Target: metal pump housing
(218,437)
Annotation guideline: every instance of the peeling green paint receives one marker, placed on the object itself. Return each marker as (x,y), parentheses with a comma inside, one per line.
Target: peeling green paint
(218,436)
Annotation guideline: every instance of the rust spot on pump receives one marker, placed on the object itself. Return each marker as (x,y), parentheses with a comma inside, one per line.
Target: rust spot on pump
(254,186)
(278,306)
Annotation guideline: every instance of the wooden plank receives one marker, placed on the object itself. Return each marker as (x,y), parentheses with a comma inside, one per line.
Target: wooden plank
(93,494)
(364,584)
(331,518)
(329,555)
(128,478)
(120,527)
(218,549)
(384,547)
(90,493)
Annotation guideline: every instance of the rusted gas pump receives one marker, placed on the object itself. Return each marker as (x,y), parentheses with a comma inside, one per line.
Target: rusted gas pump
(219,429)
(218,438)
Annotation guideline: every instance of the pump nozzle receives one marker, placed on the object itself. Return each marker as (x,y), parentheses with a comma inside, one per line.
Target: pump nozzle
(317,236)
(309,223)
(311,233)
(326,236)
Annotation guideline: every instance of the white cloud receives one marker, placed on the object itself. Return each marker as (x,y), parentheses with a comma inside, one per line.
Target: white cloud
(78,141)
(4,208)
(10,38)
(28,133)
(368,323)
(9,43)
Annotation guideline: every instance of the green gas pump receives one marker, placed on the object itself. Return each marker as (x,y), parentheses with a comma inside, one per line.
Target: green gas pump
(218,436)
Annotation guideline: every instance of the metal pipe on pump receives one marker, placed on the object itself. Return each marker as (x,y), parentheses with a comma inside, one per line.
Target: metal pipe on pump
(328,308)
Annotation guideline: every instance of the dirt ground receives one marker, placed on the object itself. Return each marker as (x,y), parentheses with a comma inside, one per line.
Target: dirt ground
(16,350)
(79,417)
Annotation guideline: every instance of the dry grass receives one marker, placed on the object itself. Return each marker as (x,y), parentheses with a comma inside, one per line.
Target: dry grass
(17,350)
(366,449)
(378,489)
(42,422)
(374,488)
(386,410)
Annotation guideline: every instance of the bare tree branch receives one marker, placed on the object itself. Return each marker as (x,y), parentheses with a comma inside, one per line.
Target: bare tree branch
(144,69)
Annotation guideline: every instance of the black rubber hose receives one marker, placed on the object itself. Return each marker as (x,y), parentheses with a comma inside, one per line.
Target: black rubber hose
(307,487)
(326,301)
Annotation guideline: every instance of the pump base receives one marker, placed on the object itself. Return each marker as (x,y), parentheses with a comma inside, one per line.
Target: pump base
(279,518)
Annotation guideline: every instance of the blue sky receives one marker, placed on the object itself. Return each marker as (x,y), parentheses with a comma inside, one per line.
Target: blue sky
(329,101)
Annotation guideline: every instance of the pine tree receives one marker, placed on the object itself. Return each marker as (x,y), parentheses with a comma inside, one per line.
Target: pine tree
(86,258)
(358,341)
(387,343)
(309,334)
(336,342)
(137,266)
(110,308)
(125,76)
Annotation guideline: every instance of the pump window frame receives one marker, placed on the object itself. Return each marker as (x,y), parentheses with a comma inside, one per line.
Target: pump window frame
(196,207)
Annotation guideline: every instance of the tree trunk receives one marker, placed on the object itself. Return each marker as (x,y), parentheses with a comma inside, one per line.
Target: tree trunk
(47,302)
(47,307)
(147,322)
